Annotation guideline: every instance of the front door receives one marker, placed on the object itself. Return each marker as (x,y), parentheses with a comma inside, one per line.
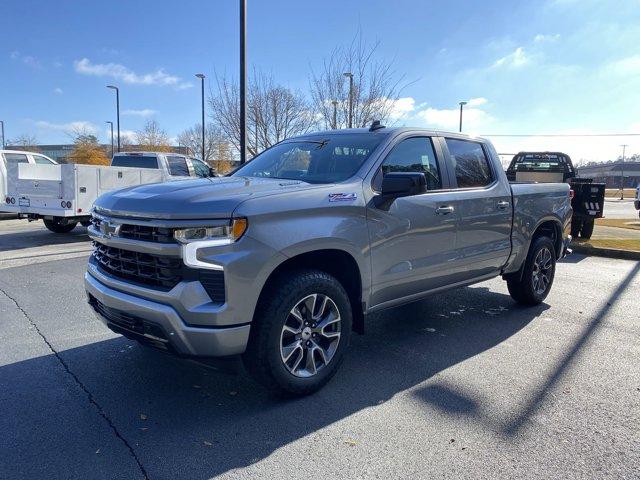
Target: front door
(413,238)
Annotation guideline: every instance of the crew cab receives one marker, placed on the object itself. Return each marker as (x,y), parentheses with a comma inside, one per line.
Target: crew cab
(280,261)
(63,195)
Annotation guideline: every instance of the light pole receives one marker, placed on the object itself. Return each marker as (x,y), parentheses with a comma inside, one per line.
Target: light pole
(113,87)
(111,125)
(201,77)
(335,114)
(462,104)
(350,76)
(243,81)
(624,148)
(2,124)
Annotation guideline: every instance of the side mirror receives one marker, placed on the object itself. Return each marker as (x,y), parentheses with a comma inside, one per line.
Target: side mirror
(212,172)
(403,184)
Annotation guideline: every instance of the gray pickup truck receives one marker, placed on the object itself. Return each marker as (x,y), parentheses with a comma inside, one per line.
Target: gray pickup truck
(280,261)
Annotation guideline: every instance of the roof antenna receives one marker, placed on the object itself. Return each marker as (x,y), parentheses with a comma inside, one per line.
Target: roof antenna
(376,125)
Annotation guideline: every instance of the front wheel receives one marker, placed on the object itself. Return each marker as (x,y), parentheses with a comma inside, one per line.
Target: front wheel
(538,274)
(300,333)
(55,225)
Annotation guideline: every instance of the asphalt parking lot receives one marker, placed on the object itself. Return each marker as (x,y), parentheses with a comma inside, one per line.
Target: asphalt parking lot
(463,385)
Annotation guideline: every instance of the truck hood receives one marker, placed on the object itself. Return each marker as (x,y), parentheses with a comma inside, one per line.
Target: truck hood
(193,199)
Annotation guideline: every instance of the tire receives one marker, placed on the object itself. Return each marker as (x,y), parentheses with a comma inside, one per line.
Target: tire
(576,225)
(587,229)
(279,334)
(528,291)
(56,226)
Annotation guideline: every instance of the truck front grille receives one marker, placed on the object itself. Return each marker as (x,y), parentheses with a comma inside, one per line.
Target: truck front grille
(144,233)
(139,268)
(159,272)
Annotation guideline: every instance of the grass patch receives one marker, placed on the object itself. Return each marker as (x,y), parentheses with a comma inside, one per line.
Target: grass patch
(625,244)
(615,193)
(619,222)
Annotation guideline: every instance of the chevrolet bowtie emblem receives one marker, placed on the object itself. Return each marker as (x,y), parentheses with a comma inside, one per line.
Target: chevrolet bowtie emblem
(110,229)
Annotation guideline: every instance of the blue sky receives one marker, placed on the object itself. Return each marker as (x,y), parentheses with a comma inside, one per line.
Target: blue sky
(555,66)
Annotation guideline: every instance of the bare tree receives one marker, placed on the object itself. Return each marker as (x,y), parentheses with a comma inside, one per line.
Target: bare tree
(191,138)
(153,138)
(274,112)
(376,87)
(26,142)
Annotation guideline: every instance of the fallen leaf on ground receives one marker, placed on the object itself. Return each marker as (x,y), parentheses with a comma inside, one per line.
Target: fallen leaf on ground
(208,444)
(98,451)
(143,416)
(233,392)
(351,443)
(197,386)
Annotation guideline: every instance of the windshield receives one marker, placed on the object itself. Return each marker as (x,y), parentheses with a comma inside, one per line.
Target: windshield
(322,159)
(138,161)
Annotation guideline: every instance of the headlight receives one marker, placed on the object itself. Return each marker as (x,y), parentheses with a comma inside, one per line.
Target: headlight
(224,234)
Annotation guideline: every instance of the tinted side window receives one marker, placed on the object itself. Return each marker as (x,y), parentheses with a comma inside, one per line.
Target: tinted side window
(42,160)
(200,168)
(178,166)
(414,155)
(470,163)
(137,161)
(15,158)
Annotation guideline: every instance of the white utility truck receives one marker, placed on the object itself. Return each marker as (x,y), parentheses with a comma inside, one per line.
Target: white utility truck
(63,195)
(8,157)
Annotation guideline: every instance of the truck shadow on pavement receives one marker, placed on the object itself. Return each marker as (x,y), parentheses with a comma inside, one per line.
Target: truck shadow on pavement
(185,421)
(19,240)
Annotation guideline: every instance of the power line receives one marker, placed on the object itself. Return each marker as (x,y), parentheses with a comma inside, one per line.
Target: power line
(564,135)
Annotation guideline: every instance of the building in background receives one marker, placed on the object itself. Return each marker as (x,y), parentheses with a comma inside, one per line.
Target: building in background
(611,173)
(60,153)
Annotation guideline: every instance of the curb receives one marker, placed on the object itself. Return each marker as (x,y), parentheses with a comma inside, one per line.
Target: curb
(605,252)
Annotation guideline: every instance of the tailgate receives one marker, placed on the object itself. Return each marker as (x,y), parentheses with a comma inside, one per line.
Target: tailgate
(34,180)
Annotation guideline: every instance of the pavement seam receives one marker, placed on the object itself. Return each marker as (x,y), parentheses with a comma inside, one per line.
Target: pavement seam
(77,380)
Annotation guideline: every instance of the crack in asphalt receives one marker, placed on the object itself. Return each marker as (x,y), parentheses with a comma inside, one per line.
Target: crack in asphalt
(77,380)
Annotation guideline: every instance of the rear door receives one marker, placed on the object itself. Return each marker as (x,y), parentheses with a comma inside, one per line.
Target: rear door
(413,238)
(483,203)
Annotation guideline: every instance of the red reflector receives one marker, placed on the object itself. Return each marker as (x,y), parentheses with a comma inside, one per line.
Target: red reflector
(79,210)
(571,193)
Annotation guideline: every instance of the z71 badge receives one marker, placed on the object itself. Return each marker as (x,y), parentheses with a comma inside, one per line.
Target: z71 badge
(342,197)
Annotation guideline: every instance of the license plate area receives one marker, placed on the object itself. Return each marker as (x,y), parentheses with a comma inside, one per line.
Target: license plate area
(24,202)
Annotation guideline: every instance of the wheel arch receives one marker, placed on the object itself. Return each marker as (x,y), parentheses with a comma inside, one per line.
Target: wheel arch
(338,263)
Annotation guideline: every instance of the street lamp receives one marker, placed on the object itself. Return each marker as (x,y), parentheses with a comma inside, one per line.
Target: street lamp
(2,124)
(624,148)
(335,114)
(243,81)
(462,104)
(201,77)
(111,125)
(350,76)
(113,87)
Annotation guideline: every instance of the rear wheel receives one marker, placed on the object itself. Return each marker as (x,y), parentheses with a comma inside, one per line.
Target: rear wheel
(56,226)
(537,276)
(300,333)
(587,229)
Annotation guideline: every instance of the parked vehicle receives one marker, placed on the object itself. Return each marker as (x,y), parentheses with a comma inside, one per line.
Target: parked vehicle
(62,195)
(636,202)
(556,167)
(16,156)
(280,261)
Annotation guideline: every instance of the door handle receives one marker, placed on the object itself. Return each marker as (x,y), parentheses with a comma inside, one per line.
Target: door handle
(444,210)
(503,205)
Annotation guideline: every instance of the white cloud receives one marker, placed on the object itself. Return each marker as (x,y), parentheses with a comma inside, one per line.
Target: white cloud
(449,118)
(146,112)
(28,60)
(58,91)
(539,38)
(68,127)
(625,66)
(476,102)
(515,59)
(117,71)
(402,107)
